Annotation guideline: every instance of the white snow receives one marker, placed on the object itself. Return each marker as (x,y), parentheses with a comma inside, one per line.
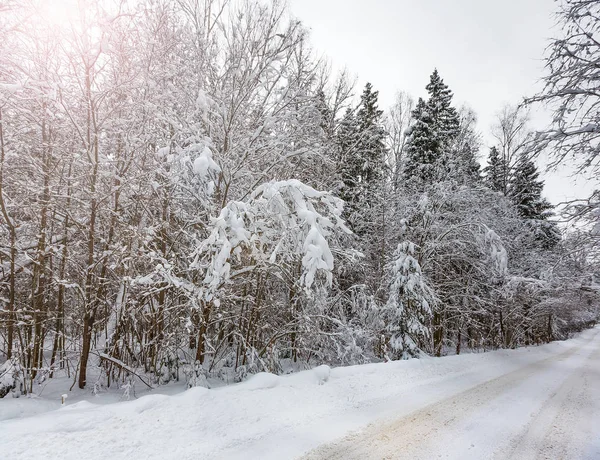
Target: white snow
(204,163)
(484,403)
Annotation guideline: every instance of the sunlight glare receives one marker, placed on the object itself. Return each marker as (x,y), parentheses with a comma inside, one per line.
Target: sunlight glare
(58,13)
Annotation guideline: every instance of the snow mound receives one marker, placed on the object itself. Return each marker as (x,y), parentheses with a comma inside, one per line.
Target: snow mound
(147,402)
(78,405)
(319,375)
(262,381)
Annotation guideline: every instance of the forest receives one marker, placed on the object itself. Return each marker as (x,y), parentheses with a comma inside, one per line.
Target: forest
(188,192)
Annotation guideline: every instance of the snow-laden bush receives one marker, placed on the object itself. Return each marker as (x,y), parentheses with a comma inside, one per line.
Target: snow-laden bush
(11,378)
(195,375)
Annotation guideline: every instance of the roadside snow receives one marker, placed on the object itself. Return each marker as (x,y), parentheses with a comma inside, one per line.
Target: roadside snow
(267,417)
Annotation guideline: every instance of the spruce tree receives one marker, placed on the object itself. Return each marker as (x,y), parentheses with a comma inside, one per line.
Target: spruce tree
(349,162)
(431,138)
(494,171)
(371,140)
(525,191)
(440,106)
(361,141)
(408,309)
(422,149)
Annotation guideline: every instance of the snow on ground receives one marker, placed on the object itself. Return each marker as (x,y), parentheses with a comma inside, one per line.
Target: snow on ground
(500,403)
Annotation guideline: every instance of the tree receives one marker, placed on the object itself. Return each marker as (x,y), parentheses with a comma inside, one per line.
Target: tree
(571,90)
(512,133)
(525,191)
(440,105)
(361,141)
(397,123)
(494,171)
(371,138)
(408,309)
(422,149)
(571,87)
(436,126)
(463,164)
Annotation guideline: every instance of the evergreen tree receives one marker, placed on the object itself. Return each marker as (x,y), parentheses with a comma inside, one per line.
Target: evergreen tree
(432,136)
(422,149)
(408,309)
(440,106)
(494,171)
(361,143)
(526,193)
(371,139)
(348,159)
(526,190)
(325,113)
(467,169)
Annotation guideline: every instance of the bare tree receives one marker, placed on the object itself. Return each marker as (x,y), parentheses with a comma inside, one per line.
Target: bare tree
(398,121)
(511,133)
(572,87)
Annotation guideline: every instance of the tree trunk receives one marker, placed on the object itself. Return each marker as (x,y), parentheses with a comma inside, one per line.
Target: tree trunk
(90,300)
(438,333)
(13,250)
(202,333)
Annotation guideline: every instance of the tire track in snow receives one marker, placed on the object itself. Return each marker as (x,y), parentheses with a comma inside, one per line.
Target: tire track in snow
(418,434)
(564,426)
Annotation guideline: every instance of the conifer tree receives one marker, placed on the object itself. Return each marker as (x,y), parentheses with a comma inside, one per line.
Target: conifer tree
(409,306)
(440,105)
(494,171)
(371,140)
(361,143)
(422,149)
(349,167)
(526,190)
(526,193)
(435,129)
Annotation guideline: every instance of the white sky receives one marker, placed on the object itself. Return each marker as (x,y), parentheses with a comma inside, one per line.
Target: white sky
(489,52)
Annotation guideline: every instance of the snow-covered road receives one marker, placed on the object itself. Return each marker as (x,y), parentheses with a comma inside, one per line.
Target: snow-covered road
(548,410)
(537,402)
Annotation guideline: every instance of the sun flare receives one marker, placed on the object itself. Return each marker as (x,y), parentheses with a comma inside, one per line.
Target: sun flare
(57,13)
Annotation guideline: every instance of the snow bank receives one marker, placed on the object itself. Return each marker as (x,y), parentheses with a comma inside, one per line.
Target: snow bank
(262,381)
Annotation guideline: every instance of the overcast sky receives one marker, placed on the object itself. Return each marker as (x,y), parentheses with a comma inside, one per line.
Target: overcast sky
(489,52)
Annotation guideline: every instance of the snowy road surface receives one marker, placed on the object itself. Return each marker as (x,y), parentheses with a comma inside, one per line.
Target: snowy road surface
(547,410)
(537,402)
